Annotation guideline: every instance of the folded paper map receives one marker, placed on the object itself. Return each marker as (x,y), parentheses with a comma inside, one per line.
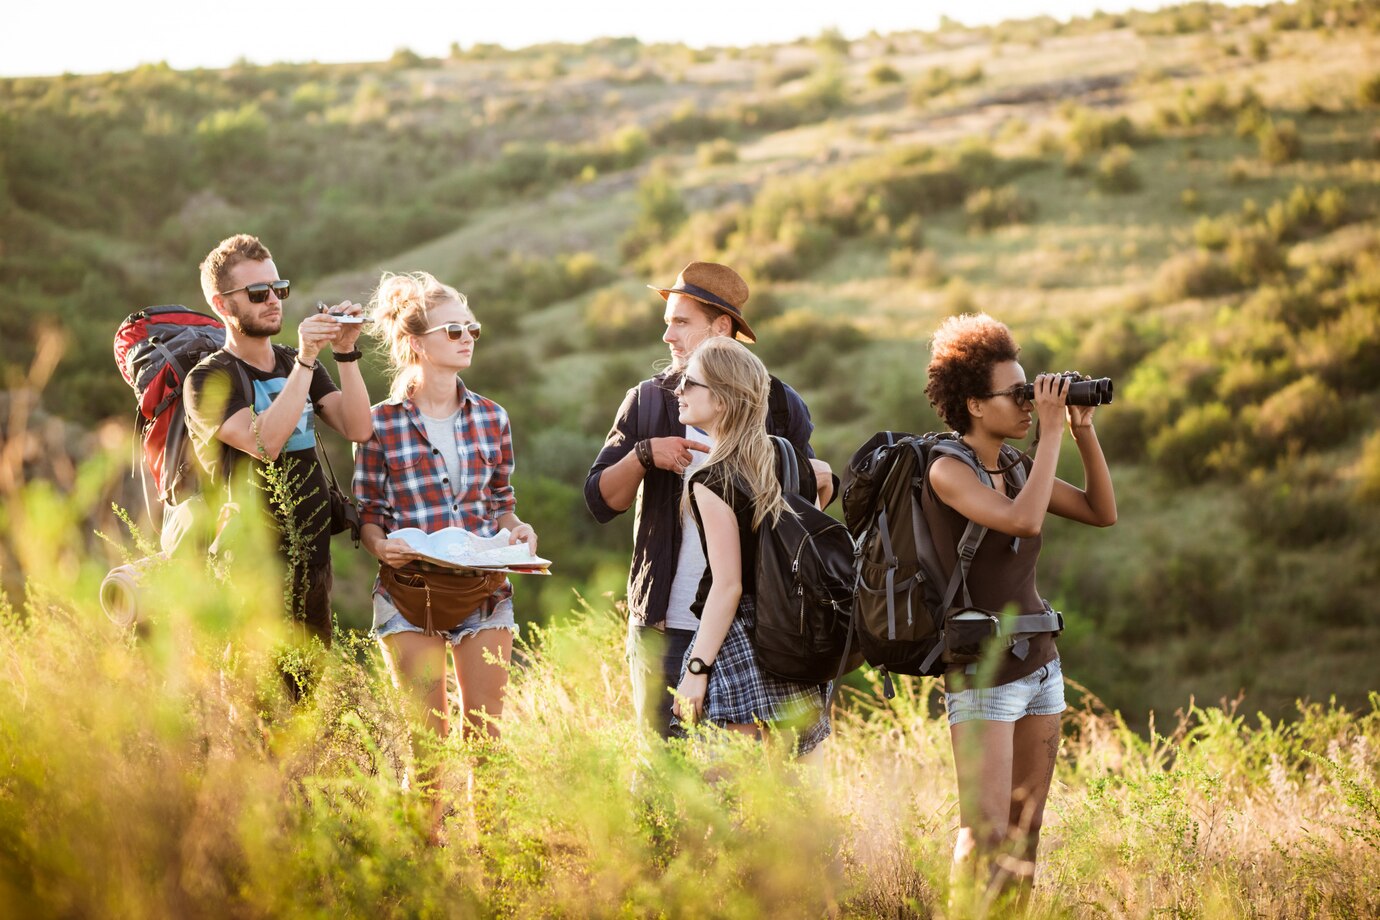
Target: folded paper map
(455,548)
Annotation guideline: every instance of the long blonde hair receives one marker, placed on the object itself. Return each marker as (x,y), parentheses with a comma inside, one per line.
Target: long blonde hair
(401,307)
(739,381)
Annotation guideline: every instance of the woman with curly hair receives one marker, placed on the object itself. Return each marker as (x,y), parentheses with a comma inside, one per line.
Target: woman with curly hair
(1004,711)
(724,393)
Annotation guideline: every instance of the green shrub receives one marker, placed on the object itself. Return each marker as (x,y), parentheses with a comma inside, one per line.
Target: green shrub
(1254,256)
(988,208)
(788,337)
(1116,171)
(1346,351)
(1279,143)
(1212,233)
(1090,132)
(717,152)
(1190,449)
(616,317)
(881,74)
(1306,413)
(1368,92)
(1368,469)
(1193,274)
(939,80)
(689,124)
(832,41)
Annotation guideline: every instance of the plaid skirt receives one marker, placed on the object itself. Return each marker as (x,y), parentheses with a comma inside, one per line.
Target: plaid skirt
(741,693)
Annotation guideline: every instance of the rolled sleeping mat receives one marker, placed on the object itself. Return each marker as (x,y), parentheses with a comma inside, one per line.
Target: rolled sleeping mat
(120,591)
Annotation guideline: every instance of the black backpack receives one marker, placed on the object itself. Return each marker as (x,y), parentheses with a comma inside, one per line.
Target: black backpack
(805,575)
(904,601)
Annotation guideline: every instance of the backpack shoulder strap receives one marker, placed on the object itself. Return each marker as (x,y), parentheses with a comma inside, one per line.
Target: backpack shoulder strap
(1018,463)
(954,447)
(790,465)
(973,534)
(778,408)
(648,405)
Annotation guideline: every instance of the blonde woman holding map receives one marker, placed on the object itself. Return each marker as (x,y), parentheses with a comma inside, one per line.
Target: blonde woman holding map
(441,456)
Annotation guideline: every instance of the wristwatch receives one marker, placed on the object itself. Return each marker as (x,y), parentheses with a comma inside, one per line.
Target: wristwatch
(698,666)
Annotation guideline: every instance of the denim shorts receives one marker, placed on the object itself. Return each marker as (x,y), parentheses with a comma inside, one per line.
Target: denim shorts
(1038,694)
(395,622)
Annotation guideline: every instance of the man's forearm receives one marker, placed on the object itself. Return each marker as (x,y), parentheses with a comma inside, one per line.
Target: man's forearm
(618,483)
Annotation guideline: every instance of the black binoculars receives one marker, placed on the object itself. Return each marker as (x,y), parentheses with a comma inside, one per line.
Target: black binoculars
(1081,392)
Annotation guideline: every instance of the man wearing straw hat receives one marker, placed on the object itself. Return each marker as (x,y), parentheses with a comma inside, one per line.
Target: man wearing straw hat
(648,458)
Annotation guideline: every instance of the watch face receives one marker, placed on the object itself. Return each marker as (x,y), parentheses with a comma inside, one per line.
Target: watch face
(697,666)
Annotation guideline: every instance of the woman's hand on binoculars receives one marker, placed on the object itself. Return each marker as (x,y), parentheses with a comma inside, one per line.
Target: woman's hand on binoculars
(1051,392)
(1080,417)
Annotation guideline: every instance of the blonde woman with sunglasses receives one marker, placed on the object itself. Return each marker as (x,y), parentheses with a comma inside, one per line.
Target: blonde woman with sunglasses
(441,456)
(724,392)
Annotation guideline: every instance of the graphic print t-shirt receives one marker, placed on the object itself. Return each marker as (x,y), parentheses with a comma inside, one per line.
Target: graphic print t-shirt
(215,392)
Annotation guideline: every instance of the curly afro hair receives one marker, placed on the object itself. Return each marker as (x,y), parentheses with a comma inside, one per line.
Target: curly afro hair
(962,354)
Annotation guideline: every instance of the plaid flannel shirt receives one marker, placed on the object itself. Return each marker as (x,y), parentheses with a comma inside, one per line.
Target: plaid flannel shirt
(401,479)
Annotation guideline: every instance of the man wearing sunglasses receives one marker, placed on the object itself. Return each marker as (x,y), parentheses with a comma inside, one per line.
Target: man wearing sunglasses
(647,459)
(254,402)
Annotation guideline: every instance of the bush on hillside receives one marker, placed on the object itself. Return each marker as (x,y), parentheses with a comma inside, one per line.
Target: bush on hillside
(786,338)
(1090,132)
(1346,351)
(617,318)
(939,80)
(1212,233)
(881,74)
(689,124)
(988,208)
(1303,415)
(717,153)
(1368,470)
(1193,274)
(1254,256)
(1191,449)
(1279,142)
(1116,172)
(1368,92)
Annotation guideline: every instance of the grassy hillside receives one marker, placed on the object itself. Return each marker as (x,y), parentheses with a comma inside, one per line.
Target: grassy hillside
(1185,200)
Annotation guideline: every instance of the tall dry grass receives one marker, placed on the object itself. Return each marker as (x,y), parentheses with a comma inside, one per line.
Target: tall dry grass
(168,772)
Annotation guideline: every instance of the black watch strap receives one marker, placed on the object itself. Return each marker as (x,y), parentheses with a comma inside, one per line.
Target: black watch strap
(699,666)
(345,357)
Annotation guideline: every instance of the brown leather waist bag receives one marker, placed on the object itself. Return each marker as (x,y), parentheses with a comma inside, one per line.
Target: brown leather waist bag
(437,600)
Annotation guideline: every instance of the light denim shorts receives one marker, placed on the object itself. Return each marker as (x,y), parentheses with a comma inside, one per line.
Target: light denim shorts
(1038,694)
(394,622)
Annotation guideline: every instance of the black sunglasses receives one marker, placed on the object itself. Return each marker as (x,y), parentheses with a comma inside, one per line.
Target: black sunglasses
(258,293)
(1016,392)
(456,331)
(687,381)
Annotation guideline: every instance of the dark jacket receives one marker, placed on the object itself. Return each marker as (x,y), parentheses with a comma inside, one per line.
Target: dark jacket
(656,524)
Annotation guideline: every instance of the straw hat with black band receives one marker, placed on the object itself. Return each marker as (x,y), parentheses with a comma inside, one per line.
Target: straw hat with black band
(716,286)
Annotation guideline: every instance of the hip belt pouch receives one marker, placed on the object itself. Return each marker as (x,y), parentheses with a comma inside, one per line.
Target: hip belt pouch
(437,600)
(966,632)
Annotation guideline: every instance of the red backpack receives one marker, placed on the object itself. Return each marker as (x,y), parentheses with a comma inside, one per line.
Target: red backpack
(155,349)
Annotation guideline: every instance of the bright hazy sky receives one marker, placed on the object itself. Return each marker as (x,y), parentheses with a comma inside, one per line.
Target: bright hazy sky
(51,36)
